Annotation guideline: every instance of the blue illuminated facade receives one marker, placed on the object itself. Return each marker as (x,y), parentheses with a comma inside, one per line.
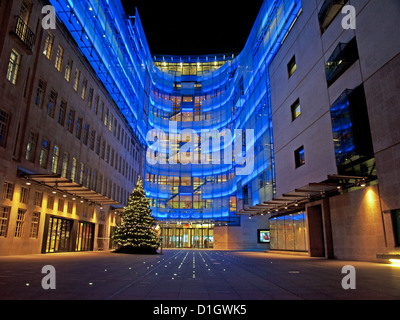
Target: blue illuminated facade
(174,102)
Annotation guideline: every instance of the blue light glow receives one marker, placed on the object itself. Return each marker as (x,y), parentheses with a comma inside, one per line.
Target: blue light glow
(205,92)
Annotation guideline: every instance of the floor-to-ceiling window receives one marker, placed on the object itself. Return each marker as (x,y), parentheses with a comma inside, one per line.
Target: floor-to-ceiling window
(289,232)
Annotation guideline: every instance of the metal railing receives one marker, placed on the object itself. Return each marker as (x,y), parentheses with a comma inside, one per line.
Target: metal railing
(24,33)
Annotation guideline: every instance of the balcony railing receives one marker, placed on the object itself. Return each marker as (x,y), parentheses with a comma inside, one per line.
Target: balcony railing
(23,33)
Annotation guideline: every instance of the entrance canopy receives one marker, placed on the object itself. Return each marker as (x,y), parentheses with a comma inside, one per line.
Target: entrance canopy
(66,187)
(296,200)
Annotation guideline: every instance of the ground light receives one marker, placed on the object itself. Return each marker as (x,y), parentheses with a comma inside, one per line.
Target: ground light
(395,262)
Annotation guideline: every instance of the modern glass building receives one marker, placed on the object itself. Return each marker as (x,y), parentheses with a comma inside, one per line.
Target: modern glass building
(206,120)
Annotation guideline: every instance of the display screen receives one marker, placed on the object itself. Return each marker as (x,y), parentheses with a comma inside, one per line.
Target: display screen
(263,236)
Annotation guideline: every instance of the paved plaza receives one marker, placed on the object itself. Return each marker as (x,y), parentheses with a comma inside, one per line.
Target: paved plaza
(193,275)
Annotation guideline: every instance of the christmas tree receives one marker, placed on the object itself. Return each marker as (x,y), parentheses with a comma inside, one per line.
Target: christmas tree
(136,234)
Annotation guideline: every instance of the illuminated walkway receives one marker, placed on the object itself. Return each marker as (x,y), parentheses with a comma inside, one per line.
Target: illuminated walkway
(193,275)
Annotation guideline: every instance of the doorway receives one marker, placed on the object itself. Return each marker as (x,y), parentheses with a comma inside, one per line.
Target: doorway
(188,236)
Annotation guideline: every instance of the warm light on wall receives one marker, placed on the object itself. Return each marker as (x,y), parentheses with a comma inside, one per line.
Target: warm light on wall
(370,197)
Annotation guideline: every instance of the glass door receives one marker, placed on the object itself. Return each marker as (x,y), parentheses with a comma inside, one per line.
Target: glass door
(58,235)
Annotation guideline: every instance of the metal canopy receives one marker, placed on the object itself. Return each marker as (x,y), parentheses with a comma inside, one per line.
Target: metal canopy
(296,200)
(67,187)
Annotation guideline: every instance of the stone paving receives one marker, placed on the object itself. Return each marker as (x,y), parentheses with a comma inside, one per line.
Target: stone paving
(193,275)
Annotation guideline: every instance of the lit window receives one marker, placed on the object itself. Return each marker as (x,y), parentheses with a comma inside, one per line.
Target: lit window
(4,216)
(44,153)
(84,89)
(35,225)
(24,195)
(51,108)
(68,70)
(77,79)
(48,46)
(8,191)
(19,227)
(65,164)
(296,110)
(74,169)
(54,162)
(13,66)
(299,157)
(38,200)
(59,58)
(292,66)
(31,146)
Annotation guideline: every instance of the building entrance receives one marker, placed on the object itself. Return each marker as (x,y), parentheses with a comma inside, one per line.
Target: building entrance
(196,236)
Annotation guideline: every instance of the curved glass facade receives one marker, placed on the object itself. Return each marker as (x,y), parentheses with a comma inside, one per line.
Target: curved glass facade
(206,120)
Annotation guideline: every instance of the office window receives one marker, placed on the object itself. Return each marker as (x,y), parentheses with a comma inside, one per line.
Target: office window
(110,122)
(4,218)
(31,146)
(90,100)
(62,112)
(98,143)
(70,207)
(13,66)
(55,159)
(92,139)
(4,124)
(84,89)
(106,117)
(295,110)
(65,163)
(19,227)
(51,108)
(60,207)
(38,201)
(342,58)
(292,66)
(48,45)
(299,157)
(86,134)
(8,191)
(50,202)
(68,70)
(77,78)
(71,121)
(103,149)
(81,173)
(40,93)
(112,158)
(24,195)
(329,10)
(44,153)
(35,225)
(59,59)
(78,132)
(108,154)
(74,169)
(352,134)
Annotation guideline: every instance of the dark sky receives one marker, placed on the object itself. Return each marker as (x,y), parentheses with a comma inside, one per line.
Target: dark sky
(195,27)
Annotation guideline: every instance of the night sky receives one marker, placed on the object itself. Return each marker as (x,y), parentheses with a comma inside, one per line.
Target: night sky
(195,27)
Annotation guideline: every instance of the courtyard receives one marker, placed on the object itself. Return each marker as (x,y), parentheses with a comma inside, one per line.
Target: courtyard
(192,275)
